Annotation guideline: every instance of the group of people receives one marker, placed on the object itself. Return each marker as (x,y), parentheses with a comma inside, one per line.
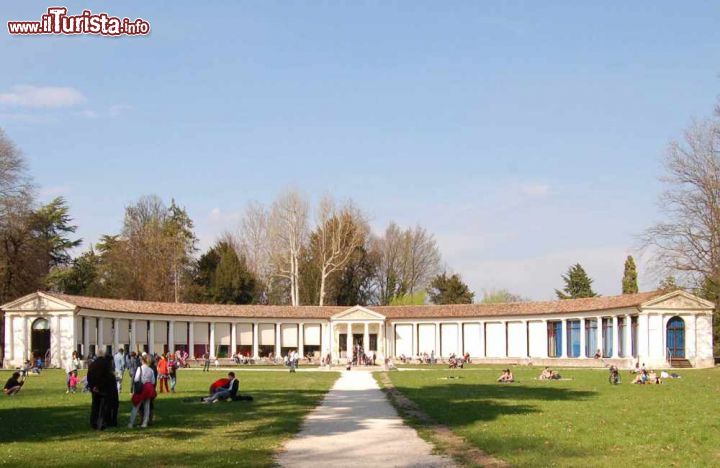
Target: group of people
(361,358)
(506,376)
(455,362)
(549,374)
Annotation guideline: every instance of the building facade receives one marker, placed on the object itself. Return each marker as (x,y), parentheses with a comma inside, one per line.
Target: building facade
(656,328)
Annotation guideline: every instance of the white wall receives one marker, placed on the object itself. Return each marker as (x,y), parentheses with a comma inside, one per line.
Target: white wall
(426,336)
(449,339)
(471,338)
(494,339)
(538,338)
(703,325)
(517,339)
(403,339)
(65,337)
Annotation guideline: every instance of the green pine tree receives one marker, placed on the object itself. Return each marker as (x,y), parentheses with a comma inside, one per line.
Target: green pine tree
(629,281)
(577,284)
(446,289)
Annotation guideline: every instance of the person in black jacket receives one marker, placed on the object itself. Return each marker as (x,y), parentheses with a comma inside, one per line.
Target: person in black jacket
(102,384)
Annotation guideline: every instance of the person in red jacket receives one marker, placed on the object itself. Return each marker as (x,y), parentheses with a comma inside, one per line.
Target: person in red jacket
(163,374)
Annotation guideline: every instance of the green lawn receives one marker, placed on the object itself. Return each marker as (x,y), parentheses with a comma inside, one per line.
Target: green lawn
(43,426)
(580,422)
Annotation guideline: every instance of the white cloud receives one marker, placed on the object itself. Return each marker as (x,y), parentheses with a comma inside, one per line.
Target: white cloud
(535,190)
(41,96)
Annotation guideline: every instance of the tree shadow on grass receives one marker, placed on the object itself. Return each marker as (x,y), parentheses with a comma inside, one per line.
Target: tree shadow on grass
(462,405)
(273,413)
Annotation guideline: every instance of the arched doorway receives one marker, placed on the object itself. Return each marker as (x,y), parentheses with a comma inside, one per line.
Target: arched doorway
(676,338)
(40,338)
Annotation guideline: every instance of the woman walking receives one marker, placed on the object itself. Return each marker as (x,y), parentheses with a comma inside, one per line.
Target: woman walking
(163,374)
(143,392)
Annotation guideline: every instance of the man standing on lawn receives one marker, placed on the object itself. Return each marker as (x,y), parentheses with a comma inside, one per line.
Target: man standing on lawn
(119,361)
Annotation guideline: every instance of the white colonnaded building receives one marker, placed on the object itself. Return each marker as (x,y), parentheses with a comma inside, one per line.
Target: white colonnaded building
(658,328)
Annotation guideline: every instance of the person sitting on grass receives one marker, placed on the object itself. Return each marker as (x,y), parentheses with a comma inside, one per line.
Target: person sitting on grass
(653,378)
(549,374)
(641,378)
(506,377)
(614,377)
(223,389)
(13,384)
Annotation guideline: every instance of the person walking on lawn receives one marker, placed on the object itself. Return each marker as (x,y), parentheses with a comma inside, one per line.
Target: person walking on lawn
(163,374)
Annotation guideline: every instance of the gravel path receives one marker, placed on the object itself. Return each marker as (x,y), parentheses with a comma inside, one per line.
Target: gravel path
(355,425)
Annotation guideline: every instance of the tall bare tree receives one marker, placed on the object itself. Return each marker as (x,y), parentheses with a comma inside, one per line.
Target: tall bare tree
(287,228)
(688,240)
(253,241)
(340,230)
(408,261)
(687,243)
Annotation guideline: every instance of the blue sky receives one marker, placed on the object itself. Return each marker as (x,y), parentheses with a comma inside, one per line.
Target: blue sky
(525,135)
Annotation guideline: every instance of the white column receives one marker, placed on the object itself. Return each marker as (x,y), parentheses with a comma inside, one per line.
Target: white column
(482,339)
(505,336)
(525,335)
(599,336)
(414,341)
(564,339)
(382,346)
(151,337)
(86,337)
(278,337)
(133,335)
(616,337)
(191,339)
(301,339)
(212,340)
(8,354)
(545,333)
(437,339)
(690,336)
(233,339)
(628,336)
(582,338)
(116,335)
(256,349)
(460,340)
(171,336)
(331,341)
(366,338)
(324,340)
(54,342)
(100,335)
(348,342)
(643,338)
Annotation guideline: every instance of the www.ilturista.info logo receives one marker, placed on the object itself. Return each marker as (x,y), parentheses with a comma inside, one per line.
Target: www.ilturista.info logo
(57,21)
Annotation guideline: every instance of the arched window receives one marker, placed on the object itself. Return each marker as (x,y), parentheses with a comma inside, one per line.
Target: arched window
(41,324)
(676,338)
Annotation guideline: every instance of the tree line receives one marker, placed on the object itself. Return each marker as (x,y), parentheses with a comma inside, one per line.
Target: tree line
(284,253)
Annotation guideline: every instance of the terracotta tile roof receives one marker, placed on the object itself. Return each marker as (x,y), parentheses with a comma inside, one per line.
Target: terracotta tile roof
(205,310)
(392,312)
(512,309)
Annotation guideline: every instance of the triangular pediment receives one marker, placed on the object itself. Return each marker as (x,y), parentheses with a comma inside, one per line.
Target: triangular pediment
(358,313)
(37,301)
(678,300)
